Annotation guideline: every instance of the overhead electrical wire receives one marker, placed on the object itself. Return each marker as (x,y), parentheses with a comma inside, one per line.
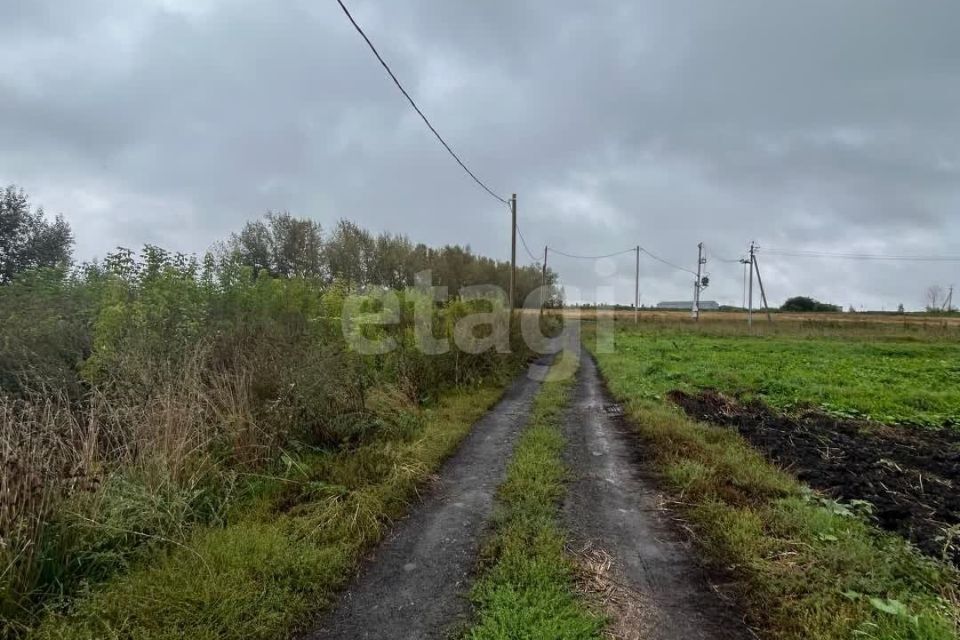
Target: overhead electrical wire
(667,262)
(415,107)
(617,253)
(728,260)
(523,241)
(463,165)
(502,200)
(710,255)
(714,256)
(799,253)
(579,257)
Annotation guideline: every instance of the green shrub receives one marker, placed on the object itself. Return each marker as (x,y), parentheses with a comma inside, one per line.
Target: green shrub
(139,397)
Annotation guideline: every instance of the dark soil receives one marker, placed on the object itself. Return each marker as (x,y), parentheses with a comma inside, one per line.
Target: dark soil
(910,476)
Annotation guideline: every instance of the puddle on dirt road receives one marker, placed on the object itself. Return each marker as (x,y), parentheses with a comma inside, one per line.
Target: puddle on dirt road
(910,475)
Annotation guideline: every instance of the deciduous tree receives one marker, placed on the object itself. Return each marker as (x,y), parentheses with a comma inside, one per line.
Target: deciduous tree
(282,245)
(933,295)
(27,239)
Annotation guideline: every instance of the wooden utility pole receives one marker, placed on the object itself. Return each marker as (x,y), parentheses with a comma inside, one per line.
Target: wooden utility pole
(750,295)
(513,249)
(543,281)
(695,311)
(636,290)
(743,303)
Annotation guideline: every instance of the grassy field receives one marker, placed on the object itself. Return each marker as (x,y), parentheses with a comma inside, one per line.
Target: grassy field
(527,587)
(892,380)
(872,321)
(807,566)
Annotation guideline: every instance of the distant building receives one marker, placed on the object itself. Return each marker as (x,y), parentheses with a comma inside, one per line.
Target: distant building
(687,305)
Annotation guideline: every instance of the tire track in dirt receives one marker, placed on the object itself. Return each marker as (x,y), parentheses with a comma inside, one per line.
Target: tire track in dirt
(414,586)
(616,520)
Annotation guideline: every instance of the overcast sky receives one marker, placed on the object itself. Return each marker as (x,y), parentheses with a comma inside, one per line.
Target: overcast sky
(816,125)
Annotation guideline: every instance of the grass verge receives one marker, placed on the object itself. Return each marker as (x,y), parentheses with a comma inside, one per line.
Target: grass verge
(808,567)
(285,554)
(527,588)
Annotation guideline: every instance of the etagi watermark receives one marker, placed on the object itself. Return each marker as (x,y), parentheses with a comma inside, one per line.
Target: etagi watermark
(474,332)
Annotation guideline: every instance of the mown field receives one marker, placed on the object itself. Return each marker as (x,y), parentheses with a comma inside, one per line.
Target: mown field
(814,461)
(889,379)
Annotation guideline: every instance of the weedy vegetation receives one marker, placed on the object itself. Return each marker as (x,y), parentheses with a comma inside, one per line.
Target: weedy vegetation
(290,545)
(192,447)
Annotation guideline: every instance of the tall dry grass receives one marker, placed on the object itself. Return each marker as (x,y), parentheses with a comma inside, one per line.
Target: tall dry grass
(46,454)
(85,485)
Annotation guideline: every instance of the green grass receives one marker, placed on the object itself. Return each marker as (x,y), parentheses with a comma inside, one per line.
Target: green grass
(527,589)
(285,554)
(807,567)
(896,380)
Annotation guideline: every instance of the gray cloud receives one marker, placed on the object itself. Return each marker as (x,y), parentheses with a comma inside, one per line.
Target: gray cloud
(801,125)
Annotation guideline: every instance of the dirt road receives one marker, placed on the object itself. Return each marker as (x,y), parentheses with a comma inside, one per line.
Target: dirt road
(414,586)
(612,507)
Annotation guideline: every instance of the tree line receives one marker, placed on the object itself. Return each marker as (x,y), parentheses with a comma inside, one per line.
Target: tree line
(284,246)
(279,245)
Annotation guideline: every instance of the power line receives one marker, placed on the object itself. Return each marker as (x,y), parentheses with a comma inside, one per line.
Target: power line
(415,107)
(858,256)
(524,243)
(667,262)
(579,257)
(617,253)
(714,256)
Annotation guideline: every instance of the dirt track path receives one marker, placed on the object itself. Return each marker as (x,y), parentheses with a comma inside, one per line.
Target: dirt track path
(414,586)
(612,506)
